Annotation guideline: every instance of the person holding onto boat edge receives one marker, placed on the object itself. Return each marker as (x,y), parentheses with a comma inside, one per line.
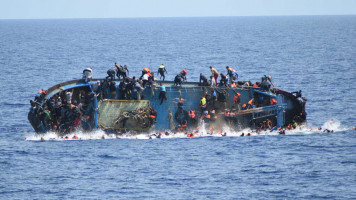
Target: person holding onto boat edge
(203,81)
(121,71)
(236,100)
(161,71)
(223,80)
(233,75)
(178,80)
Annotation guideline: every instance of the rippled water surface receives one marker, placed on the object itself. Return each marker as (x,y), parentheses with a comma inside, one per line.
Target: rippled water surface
(315,54)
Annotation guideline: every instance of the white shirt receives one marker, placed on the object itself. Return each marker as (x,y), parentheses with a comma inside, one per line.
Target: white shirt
(145,77)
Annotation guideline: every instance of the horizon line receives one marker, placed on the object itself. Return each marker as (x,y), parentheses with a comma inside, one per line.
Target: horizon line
(292,15)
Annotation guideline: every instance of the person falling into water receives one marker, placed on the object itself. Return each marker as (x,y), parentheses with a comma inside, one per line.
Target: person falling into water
(161,71)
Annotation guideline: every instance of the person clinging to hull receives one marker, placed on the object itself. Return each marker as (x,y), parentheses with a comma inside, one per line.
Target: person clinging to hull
(236,99)
(162,94)
(161,71)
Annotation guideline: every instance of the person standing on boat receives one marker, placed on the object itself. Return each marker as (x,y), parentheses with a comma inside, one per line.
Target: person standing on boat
(178,80)
(125,70)
(233,75)
(145,78)
(214,73)
(145,71)
(121,71)
(87,74)
(266,83)
(203,81)
(161,71)
(111,74)
(223,80)
(212,81)
(137,90)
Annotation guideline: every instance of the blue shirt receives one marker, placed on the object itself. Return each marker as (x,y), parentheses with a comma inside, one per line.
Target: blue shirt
(163,88)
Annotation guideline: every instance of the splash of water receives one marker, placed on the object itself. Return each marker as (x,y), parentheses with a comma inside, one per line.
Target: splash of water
(302,129)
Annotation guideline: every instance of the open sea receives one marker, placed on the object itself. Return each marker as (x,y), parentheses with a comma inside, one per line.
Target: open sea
(315,54)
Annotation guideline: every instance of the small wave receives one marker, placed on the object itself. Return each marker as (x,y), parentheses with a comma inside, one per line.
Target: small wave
(15,104)
(107,157)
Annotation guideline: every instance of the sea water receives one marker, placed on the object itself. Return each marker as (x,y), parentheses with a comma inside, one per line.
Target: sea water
(315,54)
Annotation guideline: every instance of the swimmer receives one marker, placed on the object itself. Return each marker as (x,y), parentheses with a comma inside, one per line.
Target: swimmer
(282,132)
(328,131)
(190,135)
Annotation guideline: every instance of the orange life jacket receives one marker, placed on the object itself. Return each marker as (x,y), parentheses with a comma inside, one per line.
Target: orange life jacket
(184,72)
(250,102)
(191,135)
(255,85)
(273,101)
(191,114)
(152,116)
(227,114)
(147,70)
(236,97)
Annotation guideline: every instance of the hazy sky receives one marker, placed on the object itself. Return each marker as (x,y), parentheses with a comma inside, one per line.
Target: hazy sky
(34,9)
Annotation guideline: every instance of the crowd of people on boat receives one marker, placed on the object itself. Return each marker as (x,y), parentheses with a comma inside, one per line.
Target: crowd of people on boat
(60,113)
(131,88)
(147,77)
(64,114)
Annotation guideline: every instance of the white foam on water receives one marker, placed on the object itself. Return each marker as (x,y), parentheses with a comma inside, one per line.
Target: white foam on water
(302,129)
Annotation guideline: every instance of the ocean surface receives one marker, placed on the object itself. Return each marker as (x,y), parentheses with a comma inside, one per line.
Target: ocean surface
(315,54)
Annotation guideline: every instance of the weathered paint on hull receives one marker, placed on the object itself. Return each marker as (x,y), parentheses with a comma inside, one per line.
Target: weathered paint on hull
(191,93)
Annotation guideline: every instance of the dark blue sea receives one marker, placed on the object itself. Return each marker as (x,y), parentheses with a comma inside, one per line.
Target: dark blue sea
(315,54)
